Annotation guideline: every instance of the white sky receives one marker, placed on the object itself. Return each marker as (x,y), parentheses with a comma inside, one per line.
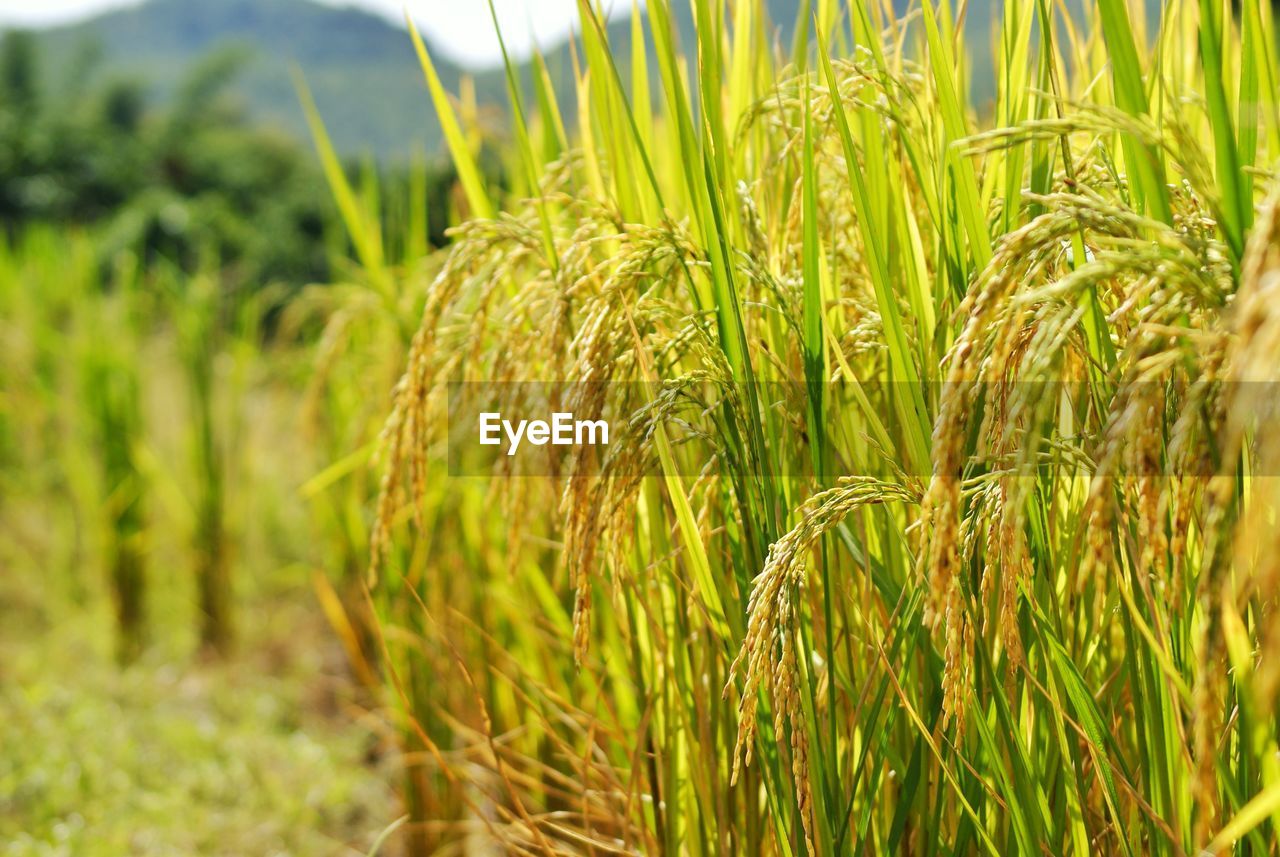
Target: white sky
(461,28)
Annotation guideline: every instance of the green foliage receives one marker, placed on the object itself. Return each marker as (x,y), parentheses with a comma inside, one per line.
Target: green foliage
(194,179)
(200,177)
(18,71)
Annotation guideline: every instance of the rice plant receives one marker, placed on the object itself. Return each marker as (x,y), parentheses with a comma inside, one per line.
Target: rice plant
(940,519)
(112,391)
(201,319)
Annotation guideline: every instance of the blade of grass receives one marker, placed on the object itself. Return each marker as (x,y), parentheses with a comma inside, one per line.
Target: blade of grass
(463,160)
(1237,209)
(1145,164)
(363,229)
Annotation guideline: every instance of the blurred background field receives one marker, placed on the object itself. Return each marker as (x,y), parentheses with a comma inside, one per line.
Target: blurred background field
(169,680)
(148,729)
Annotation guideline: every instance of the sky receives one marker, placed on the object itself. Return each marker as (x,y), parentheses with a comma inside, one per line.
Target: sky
(461,28)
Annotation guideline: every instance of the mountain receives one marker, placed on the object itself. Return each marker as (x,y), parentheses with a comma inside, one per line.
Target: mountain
(361,69)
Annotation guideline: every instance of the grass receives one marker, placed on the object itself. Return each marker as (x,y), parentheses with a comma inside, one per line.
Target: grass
(898,588)
(158,759)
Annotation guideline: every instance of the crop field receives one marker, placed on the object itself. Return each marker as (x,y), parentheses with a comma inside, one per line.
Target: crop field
(926,358)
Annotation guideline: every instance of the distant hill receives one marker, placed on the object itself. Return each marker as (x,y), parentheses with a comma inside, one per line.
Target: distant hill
(361,68)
